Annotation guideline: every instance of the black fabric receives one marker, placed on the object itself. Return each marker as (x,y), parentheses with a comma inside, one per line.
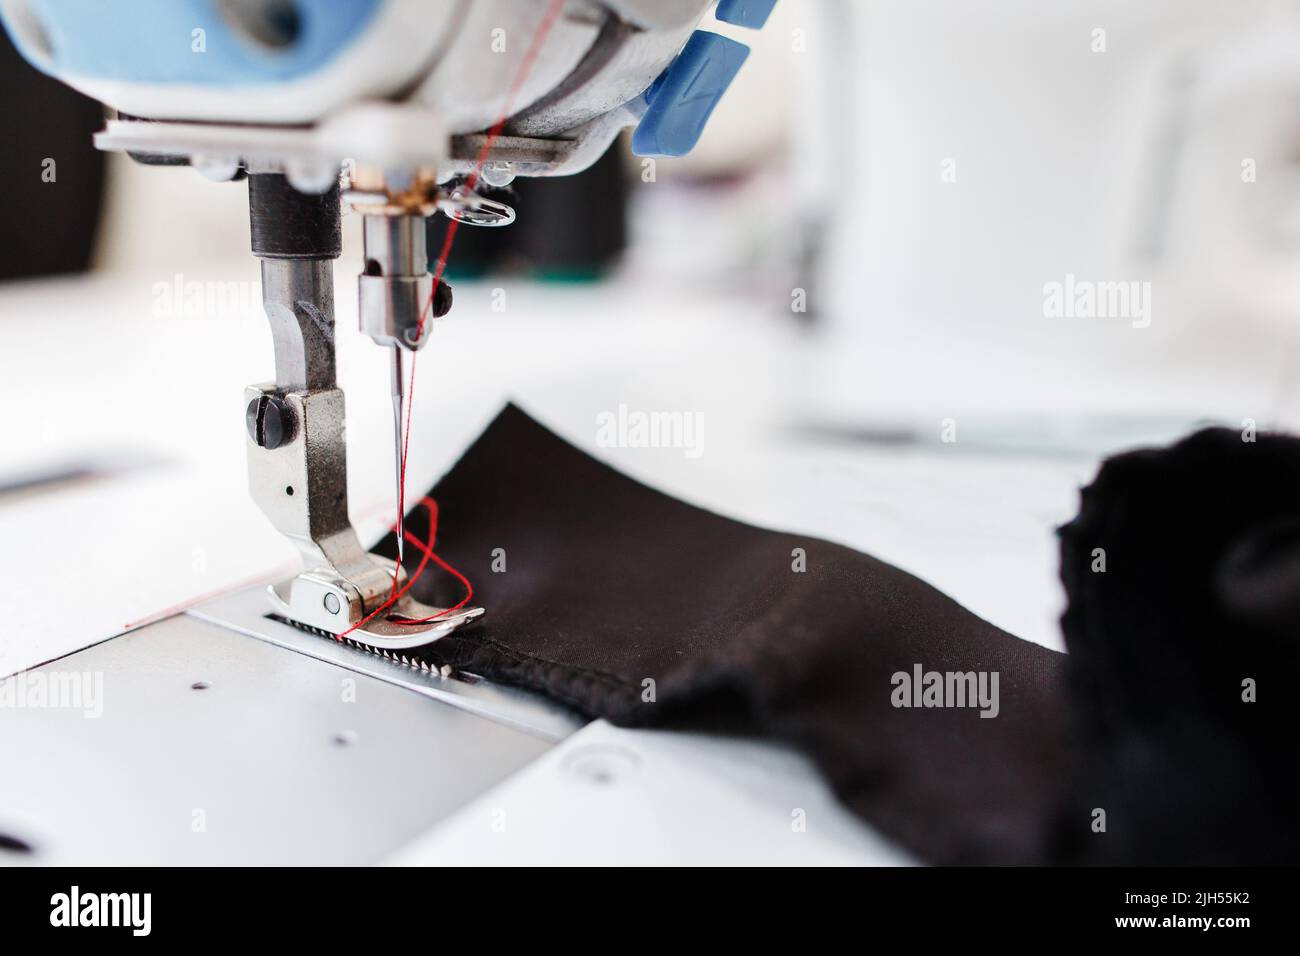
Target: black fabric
(609,584)
(1200,592)
(1183,577)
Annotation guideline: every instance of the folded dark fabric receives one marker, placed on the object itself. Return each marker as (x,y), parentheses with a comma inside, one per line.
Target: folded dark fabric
(1183,627)
(937,727)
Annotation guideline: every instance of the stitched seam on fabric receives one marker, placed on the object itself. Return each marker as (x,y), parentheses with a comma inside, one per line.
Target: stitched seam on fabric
(525,671)
(574,668)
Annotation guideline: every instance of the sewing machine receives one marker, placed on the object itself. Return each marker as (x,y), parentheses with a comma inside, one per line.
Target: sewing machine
(400,109)
(426,107)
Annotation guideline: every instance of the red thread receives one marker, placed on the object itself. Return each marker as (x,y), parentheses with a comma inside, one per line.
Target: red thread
(427,550)
(399,593)
(525,67)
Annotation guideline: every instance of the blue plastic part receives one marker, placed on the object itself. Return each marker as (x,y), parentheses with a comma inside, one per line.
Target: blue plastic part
(745,13)
(155,41)
(683,97)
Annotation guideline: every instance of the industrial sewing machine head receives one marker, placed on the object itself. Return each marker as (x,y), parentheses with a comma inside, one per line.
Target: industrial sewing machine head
(420,105)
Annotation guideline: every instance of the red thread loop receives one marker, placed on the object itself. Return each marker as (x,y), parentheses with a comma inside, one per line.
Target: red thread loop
(427,555)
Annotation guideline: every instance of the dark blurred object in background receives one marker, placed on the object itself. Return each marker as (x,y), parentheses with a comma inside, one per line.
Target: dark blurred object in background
(52,207)
(569,228)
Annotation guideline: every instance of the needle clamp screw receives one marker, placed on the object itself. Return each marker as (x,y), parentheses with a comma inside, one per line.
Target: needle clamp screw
(270,421)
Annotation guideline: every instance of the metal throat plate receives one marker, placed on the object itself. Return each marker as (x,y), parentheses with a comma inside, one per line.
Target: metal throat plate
(223,737)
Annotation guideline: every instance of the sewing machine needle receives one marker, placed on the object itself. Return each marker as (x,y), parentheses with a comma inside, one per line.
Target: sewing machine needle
(399,400)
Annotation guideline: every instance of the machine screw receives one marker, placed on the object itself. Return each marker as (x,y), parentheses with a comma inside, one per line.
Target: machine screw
(270,421)
(441,305)
(441,299)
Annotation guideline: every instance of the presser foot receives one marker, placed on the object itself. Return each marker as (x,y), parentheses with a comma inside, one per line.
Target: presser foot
(331,606)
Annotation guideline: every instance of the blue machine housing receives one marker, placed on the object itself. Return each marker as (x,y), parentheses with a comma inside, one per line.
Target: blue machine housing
(189,42)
